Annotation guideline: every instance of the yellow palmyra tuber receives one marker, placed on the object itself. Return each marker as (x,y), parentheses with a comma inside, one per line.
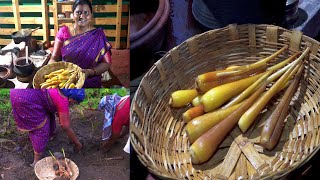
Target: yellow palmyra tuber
(62,78)
(182,98)
(217,96)
(199,125)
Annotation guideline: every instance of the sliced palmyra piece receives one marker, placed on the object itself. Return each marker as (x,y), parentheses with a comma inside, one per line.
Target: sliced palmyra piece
(217,75)
(250,115)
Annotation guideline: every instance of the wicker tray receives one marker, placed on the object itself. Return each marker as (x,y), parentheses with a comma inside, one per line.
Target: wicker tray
(44,169)
(39,76)
(158,133)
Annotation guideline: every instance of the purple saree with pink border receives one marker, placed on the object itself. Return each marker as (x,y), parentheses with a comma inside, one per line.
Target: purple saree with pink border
(87,51)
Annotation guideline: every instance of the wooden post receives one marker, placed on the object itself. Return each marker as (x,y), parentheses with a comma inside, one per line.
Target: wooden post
(118,23)
(16,14)
(128,33)
(45,24)
(55,17)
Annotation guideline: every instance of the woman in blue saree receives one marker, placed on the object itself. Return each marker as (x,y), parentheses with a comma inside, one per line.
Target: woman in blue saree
(83,45)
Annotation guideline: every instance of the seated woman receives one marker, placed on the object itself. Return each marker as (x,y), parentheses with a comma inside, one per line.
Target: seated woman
(83,45)
(34,112)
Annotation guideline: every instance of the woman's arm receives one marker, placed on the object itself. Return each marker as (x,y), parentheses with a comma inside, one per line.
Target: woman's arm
(62,106)
(56,54)
(62,35)
(101,67)
(65,125)
(72,135)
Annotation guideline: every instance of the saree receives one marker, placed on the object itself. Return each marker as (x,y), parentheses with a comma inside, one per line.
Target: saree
(108,104)
(87,50)
(33,112)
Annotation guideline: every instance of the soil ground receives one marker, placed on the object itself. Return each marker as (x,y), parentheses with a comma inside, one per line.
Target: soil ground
(16,154)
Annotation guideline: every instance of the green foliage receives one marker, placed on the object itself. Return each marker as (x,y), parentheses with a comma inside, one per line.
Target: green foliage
(5,105)
(120,91)
(5,113)
(93,96)
(4,93)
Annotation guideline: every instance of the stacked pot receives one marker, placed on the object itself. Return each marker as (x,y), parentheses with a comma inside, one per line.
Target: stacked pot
(147,32)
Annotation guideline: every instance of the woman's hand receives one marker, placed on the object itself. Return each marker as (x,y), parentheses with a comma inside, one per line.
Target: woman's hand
(98,70)
(88,72)
(79,146)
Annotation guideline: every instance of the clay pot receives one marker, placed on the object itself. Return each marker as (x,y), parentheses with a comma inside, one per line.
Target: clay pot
(21,68)
(4,74)
(11,72)
(147,35)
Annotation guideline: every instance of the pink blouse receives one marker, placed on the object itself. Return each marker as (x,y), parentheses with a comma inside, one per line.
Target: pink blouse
(62,104)
(63,35)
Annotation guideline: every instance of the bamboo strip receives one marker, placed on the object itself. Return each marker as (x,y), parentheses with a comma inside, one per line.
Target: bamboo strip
(230,161)
(118,22)
(16,14)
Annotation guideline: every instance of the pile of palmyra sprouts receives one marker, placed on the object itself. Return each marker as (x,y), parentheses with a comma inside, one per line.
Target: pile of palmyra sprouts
(237,95)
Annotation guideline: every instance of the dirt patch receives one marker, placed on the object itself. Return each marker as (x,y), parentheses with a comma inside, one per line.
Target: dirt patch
(92,162)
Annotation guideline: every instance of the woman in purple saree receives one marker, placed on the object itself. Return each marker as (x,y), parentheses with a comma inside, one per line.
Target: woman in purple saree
(83,45)
(34,112)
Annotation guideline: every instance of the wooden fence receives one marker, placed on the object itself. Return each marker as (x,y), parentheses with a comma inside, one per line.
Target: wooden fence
(111,15)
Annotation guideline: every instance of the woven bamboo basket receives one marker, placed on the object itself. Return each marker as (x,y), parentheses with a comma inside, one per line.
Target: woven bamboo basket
(47,69)
(158,133)
(44,169)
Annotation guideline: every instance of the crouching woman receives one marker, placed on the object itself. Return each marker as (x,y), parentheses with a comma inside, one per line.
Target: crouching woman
(34,112)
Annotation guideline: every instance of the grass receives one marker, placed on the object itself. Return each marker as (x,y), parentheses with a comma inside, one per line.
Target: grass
(5,113)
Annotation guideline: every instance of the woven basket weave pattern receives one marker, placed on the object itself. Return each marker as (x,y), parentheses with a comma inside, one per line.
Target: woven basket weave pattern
(39,76)
(157,131)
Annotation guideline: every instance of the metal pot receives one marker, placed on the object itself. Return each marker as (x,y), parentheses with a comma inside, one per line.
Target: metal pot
(292,12)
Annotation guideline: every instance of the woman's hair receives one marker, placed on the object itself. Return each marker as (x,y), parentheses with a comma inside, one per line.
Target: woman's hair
(81,2)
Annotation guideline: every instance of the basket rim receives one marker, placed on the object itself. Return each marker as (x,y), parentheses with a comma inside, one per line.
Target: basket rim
(278,174)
